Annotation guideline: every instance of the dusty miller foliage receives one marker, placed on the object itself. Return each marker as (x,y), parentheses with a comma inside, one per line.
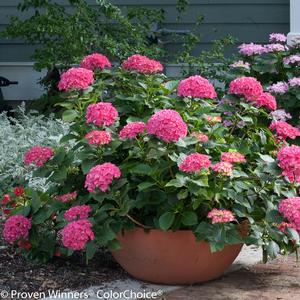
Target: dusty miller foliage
(17,135)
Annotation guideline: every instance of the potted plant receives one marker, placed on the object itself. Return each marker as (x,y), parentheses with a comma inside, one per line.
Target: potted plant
(172,180)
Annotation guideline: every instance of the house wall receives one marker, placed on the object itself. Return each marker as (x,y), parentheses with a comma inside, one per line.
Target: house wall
(248,20)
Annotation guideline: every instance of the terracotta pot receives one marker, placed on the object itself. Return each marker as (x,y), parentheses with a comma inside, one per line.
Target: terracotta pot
(171,257)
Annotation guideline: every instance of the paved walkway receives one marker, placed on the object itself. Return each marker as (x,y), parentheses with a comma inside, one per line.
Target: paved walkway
(278,280)
(247,279)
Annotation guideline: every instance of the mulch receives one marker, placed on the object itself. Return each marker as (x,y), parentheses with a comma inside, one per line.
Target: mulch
(17,273)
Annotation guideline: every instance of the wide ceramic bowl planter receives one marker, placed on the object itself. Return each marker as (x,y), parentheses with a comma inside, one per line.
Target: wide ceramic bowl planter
(171,257)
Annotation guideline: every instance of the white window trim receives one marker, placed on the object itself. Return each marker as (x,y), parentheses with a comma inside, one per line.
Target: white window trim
(294,34)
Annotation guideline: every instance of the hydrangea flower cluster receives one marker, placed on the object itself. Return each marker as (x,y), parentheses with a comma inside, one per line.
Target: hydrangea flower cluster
(15,228)
(220,216)
(142,64)
(167,125)
(280,115)
(98,137)
(95,61)
(101,113)
(201,137)
(248,87)
(266,100)
(240,64)
(131,130)
(66,197)
(290,209)
(233,157)
(277,38)
(101,176)
(76,79)
(293,59)
(274,48)
(77,212)
(280,87)
(196,87)
(76,234)
(38,155)
(289,162)
(284,130)
(224,168)
(294,81)
(251,49)
(195,162)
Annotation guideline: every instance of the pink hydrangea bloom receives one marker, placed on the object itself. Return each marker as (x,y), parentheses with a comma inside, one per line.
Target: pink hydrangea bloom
(233,157)
(98,137)
(76,234)
(251,49)
(195,162)
(290,209)
(293,59)
(167,125)
(275,48)
(66,197)
(77,212)
(101,176)
(197,87)
(142,64)
(76,79)
(249,87)
(277,37)
(38,155)
(240,64)
(266,100)
(102,113)
(131,130)
(201,137)
(289,161)
(224,168)
(284,130)
(15,228)
(95,61)
(294,81)
(220,216)
(280,87)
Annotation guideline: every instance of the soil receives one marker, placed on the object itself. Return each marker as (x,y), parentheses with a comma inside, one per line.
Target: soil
(17,273)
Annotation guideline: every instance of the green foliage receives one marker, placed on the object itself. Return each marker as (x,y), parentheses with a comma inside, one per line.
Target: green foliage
(63,36)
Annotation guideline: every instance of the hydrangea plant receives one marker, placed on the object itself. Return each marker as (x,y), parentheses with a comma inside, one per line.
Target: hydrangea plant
(276,66)
(153,153)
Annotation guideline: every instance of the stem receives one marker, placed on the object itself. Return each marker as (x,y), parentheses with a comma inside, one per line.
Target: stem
(137,222)
(265,255)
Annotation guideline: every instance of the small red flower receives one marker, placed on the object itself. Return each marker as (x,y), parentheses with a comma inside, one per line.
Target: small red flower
(6,199)
(24,245)
(19,191)
(6,211)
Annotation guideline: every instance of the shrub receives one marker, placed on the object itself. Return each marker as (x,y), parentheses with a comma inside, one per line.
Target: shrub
(17,135)
(276,66)
(171,162)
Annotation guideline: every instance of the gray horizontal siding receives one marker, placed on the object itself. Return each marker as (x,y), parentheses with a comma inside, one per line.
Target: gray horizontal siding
(248,20)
